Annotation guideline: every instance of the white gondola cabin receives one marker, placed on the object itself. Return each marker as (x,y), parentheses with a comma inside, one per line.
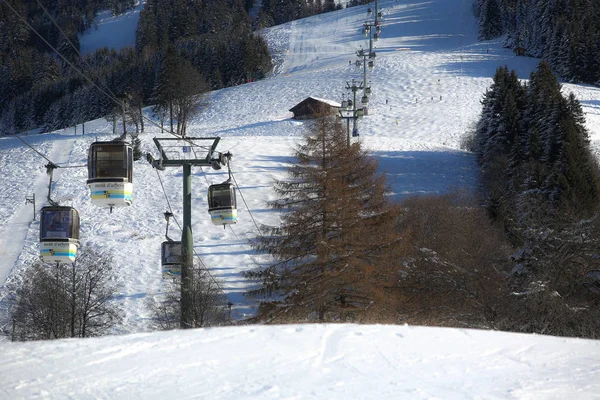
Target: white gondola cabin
(110,173)
(171,259)
(222,203)
(59,234)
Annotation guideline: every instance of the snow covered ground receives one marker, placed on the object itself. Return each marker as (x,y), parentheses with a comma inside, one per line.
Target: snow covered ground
(305,362)
(112,32)
(429,78)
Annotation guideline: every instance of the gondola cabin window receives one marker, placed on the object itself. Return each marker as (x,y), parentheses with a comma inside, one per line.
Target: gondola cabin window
(59,234)
(221,196)
(171,259)
(222,204)
(171,253)
(59,224)
(111,160)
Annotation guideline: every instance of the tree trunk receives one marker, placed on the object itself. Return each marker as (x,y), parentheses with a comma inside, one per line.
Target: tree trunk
(171,114)
(141,118)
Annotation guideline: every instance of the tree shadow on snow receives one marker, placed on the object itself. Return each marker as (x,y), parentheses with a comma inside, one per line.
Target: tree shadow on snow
(411,173)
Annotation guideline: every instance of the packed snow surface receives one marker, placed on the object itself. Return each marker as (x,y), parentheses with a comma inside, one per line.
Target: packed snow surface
(430,75)
(305,362)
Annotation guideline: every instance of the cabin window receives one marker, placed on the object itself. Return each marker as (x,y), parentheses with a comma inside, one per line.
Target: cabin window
(59,224)
(222,197)
(172,253)
(111,161)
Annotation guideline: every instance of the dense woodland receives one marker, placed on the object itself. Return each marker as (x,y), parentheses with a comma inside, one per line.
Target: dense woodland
(566,33)
(275,12)
(216,38)
(534,151)
(541,184)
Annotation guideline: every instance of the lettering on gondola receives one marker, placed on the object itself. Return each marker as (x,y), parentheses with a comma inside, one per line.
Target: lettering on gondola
(109,185)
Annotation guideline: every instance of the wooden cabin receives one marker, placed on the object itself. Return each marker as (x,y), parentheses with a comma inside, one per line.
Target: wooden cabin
(520,51)
(314,107)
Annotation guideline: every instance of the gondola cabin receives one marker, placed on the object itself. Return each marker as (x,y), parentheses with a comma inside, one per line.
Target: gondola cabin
(222,204)
(59,234)
(171,259)
(110,173)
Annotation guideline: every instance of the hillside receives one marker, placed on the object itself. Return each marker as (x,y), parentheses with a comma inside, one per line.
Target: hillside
(428,81)
(429,78)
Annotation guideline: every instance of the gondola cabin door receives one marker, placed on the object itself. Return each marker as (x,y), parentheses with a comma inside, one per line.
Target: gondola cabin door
(59,234)
(110,173)
(222,204)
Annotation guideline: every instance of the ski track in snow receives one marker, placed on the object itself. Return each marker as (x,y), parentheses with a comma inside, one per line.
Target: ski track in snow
(20,217)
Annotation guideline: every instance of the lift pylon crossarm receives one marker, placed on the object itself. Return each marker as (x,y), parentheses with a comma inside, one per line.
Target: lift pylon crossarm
(176,151)
(50,167)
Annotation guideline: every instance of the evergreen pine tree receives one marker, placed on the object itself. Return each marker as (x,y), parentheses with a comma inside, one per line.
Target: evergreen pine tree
(576,166)
(137,150)
(490,20)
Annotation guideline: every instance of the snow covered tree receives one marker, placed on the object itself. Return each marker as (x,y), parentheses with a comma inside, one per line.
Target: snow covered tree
(499,124)
(137,143)
(497,131)
(564,32)
(330,249)
(575,168)
(490,20)
(534,153)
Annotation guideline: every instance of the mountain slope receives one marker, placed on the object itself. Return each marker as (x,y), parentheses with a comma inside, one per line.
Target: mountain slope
(429,78)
